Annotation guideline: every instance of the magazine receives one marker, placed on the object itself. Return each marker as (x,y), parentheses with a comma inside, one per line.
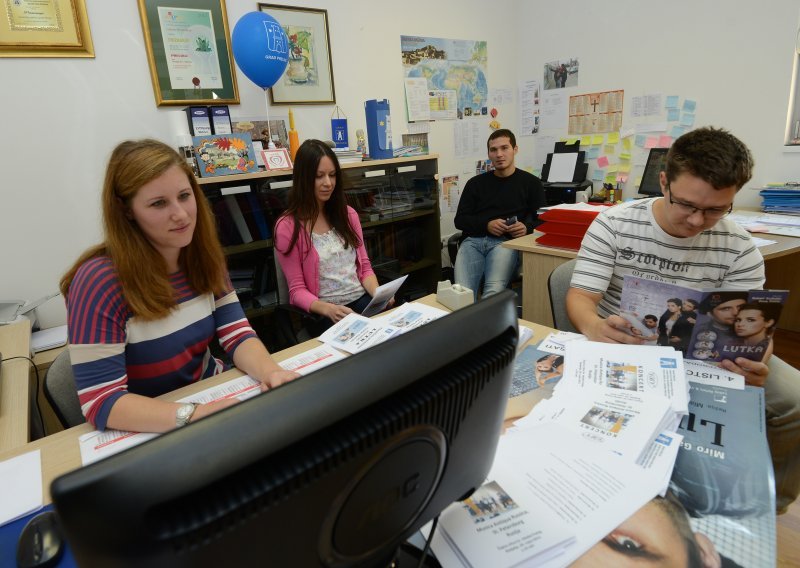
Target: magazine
(708,325)
(721,491)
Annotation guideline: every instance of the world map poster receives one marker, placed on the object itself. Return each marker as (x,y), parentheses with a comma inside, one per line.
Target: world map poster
(455,71)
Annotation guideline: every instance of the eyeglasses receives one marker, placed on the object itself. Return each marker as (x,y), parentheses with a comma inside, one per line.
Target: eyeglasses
(688,209)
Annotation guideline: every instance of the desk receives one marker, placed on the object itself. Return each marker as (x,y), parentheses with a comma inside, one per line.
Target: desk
(15,385)
(780,260)
(60,452)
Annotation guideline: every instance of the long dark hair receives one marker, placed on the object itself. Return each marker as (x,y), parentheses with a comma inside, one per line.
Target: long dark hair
(302,202)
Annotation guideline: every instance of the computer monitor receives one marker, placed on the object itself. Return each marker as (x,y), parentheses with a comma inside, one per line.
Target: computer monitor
(656,162)
(334,469)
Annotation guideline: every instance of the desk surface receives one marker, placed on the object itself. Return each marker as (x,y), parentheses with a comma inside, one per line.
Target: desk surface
(15,385)
(60,452)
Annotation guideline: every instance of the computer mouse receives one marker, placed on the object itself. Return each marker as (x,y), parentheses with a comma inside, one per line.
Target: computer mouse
(41,543)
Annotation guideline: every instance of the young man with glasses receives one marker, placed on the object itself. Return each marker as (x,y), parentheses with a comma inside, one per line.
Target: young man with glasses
(683,238)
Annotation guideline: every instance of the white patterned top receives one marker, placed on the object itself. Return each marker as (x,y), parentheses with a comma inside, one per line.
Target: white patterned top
(338,281)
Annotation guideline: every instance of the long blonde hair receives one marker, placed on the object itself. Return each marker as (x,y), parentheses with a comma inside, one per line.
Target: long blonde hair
(141,269)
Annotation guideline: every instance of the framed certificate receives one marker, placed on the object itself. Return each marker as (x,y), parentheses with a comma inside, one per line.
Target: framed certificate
(32,28)
(189,51)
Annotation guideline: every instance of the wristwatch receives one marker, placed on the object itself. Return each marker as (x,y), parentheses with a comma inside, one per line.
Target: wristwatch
(184,413)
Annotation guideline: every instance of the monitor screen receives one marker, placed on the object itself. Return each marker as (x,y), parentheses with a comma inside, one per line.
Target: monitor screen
(337,468)
(656,162)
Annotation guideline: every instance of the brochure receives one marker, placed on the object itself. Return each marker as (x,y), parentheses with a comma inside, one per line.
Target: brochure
(383,294)
(410,315)
(354,333)
(708,325)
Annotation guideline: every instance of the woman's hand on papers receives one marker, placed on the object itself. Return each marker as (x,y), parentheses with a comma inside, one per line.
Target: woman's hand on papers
(333,312)
(277,378)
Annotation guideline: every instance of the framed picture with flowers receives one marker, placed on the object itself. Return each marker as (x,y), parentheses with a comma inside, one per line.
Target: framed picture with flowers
(308,78)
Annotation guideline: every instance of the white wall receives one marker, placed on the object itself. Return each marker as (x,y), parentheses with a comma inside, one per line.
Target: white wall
(733,57)
(61,117)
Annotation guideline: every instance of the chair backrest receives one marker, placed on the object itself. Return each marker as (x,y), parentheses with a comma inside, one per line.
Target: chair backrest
(557,286)
(61,392)
(280,282)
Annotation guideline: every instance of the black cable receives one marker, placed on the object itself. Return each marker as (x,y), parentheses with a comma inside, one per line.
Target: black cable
(428,542)
(36,396)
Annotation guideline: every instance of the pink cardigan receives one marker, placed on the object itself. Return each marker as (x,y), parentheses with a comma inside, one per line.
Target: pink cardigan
(301,265)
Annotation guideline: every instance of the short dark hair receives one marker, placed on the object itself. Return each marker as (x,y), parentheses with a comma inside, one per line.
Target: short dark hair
(651,317)
(714,155)
(499,134)
(714,299)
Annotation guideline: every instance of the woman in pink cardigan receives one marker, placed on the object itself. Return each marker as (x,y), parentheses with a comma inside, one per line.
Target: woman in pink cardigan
(319,242)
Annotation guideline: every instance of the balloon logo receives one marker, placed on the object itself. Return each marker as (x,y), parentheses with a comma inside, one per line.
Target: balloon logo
(260,48)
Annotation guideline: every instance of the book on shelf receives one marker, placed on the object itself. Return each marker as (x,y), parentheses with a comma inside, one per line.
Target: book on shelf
(226,228)
(254,214)
(708,325)
(238,218)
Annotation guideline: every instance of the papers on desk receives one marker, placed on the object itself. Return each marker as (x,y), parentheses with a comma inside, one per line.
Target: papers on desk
(21,480)
(410,316)
(48,338)
(547,507)
(356,333)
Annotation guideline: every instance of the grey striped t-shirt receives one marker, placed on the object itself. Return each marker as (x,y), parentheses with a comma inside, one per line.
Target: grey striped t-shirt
(627,240)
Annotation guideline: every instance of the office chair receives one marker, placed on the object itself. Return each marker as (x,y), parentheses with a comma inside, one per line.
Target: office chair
(294,325)
(61,392)
(453,244)
(557,286)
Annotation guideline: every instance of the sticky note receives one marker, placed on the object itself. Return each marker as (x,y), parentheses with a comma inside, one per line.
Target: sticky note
(571,141)
(611,178)
(677,131)
(610,149)
(627,132)
(597,139)
(622,178)
(593,153)
(597,175)
(687,119)
(664,141)
(613,138)
(625,156)
(612,168)
(586,141)
(626,144)
(625,168)
(640,140)
(651,142)
(602,162)
(673,115)
(671,102)
(689,105)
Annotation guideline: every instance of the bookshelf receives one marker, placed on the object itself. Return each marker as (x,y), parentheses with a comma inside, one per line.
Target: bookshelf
(397,200)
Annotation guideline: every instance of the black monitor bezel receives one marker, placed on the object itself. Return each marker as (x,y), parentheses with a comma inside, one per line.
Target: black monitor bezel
(656,160)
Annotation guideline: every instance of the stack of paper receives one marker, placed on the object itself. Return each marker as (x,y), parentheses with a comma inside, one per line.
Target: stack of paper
(48,338)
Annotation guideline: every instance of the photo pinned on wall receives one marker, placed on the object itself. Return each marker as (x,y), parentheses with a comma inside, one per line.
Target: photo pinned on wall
(277,159)
(260,131)
(560,74)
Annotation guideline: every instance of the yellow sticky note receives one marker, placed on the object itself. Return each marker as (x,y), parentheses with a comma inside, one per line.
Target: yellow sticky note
(597,139)
(586,141)
(610,149)
(612,168)
(613,137)
(625,156)
(626,144)
(625,168)
(611,178)
(571,141)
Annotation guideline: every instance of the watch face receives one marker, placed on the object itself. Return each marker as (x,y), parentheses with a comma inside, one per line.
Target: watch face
(183,413)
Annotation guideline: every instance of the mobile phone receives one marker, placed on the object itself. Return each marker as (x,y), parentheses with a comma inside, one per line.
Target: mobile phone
(511,220)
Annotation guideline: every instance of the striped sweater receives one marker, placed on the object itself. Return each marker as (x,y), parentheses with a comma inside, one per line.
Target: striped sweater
(626,239)
(114,353)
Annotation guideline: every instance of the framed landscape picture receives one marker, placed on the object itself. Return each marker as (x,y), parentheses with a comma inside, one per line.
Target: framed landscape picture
(308,78)
(189,51)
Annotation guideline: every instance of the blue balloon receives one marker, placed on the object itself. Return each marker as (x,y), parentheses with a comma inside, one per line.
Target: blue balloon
(260,48)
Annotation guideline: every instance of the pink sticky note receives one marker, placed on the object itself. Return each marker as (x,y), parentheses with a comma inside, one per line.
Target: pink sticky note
(602,162)
(664,141)
(651,142)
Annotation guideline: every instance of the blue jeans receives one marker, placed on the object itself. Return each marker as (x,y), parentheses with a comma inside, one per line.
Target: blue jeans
(484,258)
